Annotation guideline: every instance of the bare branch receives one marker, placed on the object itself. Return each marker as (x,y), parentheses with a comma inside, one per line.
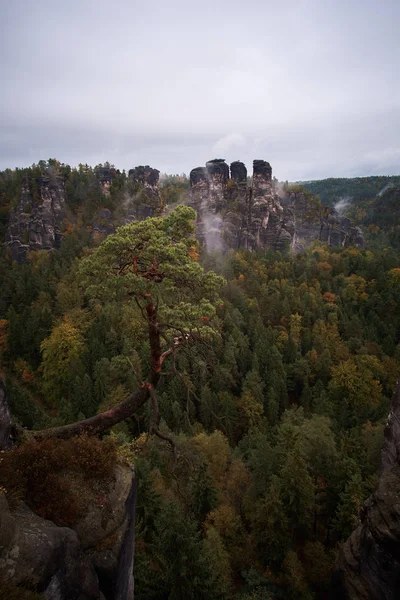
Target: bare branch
(154,423)
(140,308)
(99,423)
(133,369)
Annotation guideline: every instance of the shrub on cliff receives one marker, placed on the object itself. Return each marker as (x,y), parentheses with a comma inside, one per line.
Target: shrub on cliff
(58,478)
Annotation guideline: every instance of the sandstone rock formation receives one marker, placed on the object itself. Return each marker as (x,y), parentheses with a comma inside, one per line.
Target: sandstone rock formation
(199,198)
(35,223)
(32,548)
(236,229)
(100,521)
(105,176)
(230,213)
(146,198)
(147,176)
(269,227)
(72,564)
(369,563)
(103,531)
(316,222)
(217,175)
(241,216)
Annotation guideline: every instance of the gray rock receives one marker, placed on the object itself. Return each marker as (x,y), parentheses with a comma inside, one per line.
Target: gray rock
(112,555)
(35,549)
(233,215)
(146,200)
(35,223)
(328,226)
(105,176)
(238,172)
(101,521)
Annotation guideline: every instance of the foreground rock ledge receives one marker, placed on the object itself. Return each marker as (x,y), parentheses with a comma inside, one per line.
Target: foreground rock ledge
(65,563)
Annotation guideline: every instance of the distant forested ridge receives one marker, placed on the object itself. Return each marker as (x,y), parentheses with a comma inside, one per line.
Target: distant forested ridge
(334,189)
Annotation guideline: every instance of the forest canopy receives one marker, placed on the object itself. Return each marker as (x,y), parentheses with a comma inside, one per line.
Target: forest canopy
(273,375)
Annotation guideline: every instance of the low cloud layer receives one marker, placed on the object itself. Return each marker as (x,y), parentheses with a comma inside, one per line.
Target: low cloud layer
(310,85)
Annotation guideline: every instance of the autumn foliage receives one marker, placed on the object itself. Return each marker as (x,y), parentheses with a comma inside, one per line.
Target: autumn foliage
(57,478)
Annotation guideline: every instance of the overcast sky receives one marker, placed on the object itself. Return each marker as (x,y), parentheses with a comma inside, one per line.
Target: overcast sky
(312,86)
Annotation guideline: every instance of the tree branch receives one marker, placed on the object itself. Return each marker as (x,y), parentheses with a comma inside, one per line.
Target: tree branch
(103,421)
(154,423)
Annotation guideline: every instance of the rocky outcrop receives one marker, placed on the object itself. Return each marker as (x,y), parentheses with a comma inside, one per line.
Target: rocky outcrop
(103,532)
(36,550)
(208,198)
(238,172)
(105,176)
(217,175)
(231,213)
(73,564)
(199,198)
(313,221)
(104,519)
(338,230)
(146,200)
(146,176)
(369,562)
(125,583)
(35,223)
(269,227)
(236,217)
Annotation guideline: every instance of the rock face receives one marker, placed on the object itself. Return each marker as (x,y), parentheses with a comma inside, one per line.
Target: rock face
(146,200)
(236,230)
(147,176)
(102,520)
(231,213)
(103,532)
(326,224)
(337,230)
(199,185)
(125,583)
(369,563)
(36,549)
(35,223)
(73,564)
(217,174)
(105,177)
(269,226)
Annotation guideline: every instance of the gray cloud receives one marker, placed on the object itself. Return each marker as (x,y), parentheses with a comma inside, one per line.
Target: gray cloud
(310,85)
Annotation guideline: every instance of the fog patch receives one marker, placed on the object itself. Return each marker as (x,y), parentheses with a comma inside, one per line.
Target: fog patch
(212,223)
(342,205)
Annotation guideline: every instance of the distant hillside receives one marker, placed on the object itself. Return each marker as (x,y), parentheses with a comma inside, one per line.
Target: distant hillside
(333,189)
(380,217)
